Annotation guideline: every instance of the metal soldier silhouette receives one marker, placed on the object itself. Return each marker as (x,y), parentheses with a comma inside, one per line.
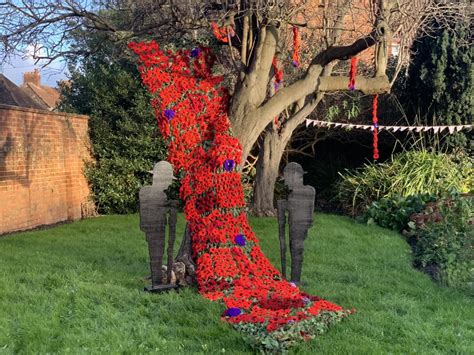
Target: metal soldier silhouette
(300,207)
(156,212)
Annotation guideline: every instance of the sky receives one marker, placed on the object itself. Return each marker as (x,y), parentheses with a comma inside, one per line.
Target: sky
(17,65)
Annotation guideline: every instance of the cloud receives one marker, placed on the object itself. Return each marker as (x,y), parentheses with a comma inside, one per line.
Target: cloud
(17,65)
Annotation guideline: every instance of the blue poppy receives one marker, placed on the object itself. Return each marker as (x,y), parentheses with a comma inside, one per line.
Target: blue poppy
(195,52)
(229,165)
(240,240)
(169,114)
(232,312)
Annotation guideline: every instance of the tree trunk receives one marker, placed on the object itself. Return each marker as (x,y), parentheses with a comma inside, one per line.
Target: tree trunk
(185,253)
(271,151)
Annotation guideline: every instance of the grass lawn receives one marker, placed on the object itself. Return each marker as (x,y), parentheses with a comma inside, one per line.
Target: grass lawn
(77,288)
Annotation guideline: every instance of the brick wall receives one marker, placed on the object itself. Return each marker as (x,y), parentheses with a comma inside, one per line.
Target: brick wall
(358,23)
(41,160)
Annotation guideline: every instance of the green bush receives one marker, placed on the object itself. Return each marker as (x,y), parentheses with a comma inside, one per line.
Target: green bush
(442,236)
(409,173)
(123,132)
(394,212)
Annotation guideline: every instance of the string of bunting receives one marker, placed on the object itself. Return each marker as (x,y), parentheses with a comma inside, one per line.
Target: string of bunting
(435,129)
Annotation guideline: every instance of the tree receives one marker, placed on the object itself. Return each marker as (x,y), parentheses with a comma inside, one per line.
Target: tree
(125,139)
(254,32)
(443,72)
(275,138)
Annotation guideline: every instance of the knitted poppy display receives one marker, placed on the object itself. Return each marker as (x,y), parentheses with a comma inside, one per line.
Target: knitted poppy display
(230,265)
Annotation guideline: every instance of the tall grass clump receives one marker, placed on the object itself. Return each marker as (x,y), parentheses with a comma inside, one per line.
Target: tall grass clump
(409,173)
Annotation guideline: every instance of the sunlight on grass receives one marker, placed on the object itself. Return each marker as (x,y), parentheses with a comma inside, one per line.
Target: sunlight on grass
(78,288)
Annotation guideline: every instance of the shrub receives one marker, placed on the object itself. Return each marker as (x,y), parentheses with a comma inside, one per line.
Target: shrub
(123,132)
(394,212)
(442,236)
(409,173)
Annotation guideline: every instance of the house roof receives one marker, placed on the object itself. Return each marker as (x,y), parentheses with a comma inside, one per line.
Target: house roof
(12,95)
(45,95)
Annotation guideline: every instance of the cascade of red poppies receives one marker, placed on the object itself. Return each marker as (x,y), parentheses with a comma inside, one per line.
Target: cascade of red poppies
(375,122)
(191,110)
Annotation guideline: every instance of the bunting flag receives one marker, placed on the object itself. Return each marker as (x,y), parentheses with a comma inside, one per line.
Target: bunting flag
(419,129)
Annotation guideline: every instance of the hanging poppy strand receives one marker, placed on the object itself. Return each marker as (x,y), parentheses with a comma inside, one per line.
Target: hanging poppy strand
(375,122)
(353,74)
(296,47)
(223,33)
(278,73)
(278,78)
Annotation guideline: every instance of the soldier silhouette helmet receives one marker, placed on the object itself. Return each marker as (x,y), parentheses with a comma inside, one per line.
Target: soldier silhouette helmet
(293,175)
(163,173)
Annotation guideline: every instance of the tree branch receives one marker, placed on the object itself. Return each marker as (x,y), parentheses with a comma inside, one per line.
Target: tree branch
(368,86)
(309,83)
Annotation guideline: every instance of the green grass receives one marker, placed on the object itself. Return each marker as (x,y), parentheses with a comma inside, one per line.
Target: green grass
(77,288)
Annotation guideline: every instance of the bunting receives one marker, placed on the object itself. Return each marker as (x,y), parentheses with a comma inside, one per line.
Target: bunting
(418,129)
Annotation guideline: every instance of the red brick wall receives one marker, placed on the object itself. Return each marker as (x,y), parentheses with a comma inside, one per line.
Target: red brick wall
(41,161)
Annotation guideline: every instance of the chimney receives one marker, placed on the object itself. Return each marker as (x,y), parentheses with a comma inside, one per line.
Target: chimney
(32,77)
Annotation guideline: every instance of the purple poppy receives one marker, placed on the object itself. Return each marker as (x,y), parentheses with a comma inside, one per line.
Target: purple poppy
(277,86)
(229,165)
(195,52)
(292,284)
(306,300)
(352,87)
(240,240)
(232,312)
(291,321)
(296,64)
(169,114)
(376,125)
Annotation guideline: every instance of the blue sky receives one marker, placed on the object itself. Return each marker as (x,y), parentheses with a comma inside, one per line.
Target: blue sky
(16,66)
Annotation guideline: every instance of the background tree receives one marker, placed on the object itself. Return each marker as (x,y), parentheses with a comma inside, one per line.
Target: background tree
(439,88)
(125,140)
(330,25)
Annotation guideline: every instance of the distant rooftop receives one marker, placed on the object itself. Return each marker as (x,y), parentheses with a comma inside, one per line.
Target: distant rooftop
(44,95)
(12,95)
